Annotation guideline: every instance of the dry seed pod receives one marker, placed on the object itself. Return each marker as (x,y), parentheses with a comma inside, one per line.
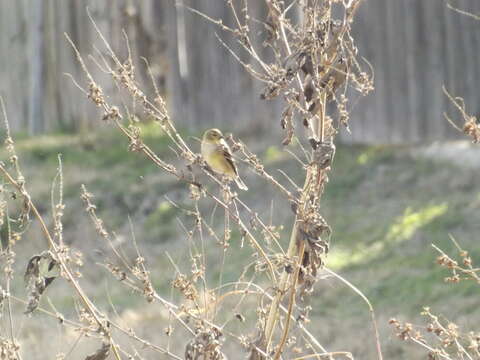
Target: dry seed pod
(205,346)
(240,317)
(471,128)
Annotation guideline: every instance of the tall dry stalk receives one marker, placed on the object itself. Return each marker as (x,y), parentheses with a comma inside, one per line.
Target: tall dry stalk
(308,58)
(310,61)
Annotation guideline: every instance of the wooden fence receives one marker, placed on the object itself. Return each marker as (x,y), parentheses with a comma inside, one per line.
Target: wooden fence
(415,46)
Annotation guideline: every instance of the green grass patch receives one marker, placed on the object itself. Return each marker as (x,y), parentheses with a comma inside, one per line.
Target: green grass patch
(386,206)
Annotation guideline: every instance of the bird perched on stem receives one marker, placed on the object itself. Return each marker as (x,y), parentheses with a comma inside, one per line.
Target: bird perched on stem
(218,156)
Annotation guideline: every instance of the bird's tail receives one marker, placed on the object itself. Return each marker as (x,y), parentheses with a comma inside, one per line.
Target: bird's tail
(241,185)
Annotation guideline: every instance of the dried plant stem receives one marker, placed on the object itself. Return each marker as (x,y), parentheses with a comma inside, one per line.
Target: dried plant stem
(319,55)
(370,307)
(157,161)
(282,285)
(291,303)
(292,249)
(86,301)
(462,12)
(260,291)
(347,354)
(8,277)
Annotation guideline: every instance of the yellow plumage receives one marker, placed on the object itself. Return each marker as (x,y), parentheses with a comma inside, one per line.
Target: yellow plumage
(218,156)
(219,164)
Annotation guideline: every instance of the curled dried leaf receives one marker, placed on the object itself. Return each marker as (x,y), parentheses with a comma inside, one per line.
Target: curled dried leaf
(323,153)
(102,353)
(310,232)
(287,124)
(41,270)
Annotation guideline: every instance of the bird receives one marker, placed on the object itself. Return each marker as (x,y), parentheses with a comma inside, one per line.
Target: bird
(218,156)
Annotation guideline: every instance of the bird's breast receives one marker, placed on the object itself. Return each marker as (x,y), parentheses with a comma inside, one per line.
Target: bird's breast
(215,158)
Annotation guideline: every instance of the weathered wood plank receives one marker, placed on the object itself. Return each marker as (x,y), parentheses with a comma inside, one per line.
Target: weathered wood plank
(415,47)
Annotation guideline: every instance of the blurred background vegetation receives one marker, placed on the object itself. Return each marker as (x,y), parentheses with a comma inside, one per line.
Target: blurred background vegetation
(392,192)
(414,46)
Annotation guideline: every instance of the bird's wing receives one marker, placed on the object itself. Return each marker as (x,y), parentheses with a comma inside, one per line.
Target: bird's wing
(228,155)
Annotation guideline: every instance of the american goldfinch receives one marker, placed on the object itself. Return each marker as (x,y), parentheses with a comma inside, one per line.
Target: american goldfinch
(218,156)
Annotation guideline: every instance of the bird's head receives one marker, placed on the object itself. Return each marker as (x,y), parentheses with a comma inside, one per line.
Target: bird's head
(212,136)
